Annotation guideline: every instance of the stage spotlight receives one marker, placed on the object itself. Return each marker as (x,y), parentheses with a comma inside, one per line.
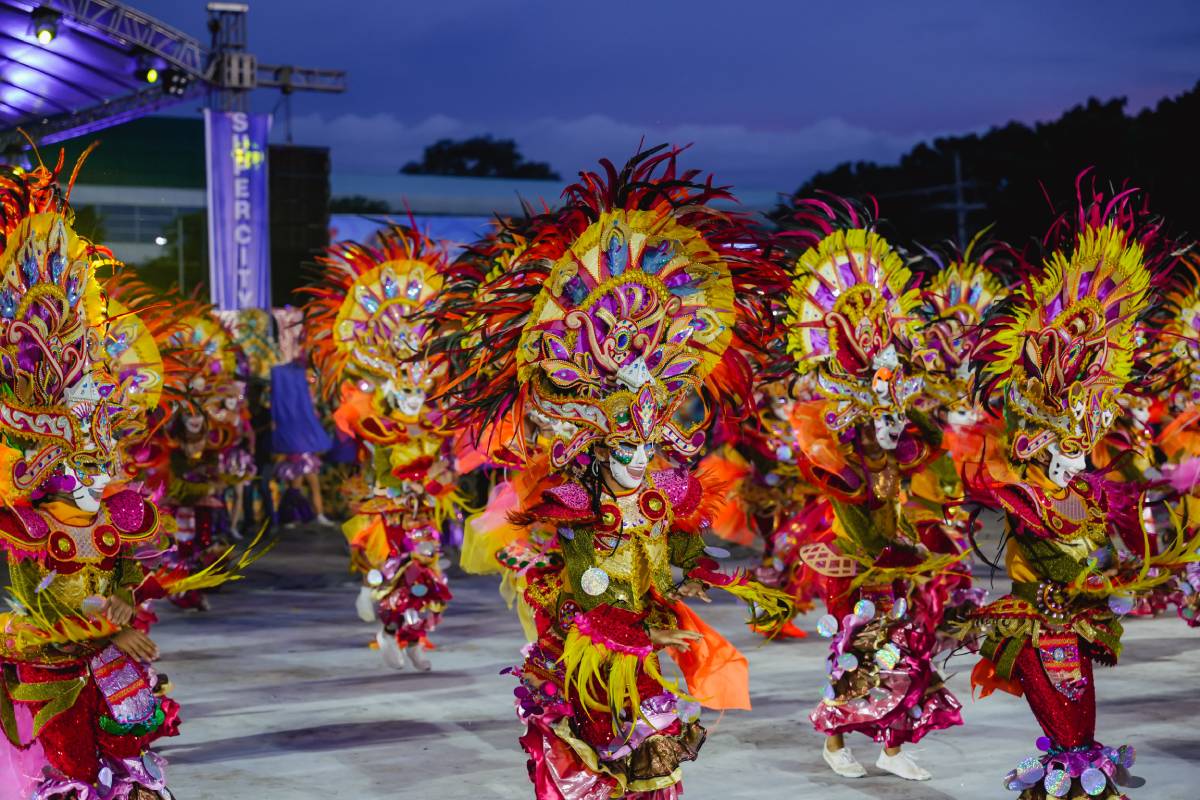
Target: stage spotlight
(175,82)
(147,69)
(45,24)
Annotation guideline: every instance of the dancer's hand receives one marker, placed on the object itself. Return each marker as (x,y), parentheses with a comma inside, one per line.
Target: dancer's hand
(119,612)
(694,590)
(673,637)
(135,644)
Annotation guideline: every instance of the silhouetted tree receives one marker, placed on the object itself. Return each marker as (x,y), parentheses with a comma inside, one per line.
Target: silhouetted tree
(479,157)
(1023,175)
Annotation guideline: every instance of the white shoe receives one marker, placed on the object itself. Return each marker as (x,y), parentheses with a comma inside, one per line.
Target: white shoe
(417,658)
(843,762)
(902,765)
(324,520)
(389,648)
(364,604)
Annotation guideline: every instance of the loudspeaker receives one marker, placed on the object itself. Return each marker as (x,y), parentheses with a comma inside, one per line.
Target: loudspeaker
(299,181)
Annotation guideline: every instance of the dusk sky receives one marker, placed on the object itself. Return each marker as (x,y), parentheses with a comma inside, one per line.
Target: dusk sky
(769,92)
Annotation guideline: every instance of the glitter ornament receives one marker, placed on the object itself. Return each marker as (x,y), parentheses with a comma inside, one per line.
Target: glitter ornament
(594,581)
(864,610)
(1093,781)
(888,656)
(827,625)
(1057,783)
(1120,605)
(1030,771)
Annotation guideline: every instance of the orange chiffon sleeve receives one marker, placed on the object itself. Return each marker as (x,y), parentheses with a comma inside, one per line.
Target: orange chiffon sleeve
(717,673)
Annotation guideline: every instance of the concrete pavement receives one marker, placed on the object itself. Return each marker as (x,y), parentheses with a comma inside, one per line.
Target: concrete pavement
(283,699)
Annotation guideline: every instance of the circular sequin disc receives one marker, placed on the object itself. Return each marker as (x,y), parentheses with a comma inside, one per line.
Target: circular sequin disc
(827,625)
(916,712)
(151,765)
(899,608)
(1043,743)
(847,662)
(887,656)
(1057,783)
(830,693)
(105,777)
(374,578)
(594,581)
(1030,770)
(1120,605)
(864,610)
(1093,781)
(419,590)
(1125,755)
(717,552)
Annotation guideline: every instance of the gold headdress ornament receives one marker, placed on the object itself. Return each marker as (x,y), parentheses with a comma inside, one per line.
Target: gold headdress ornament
(1060,349)
(852,314)
(57,404)
(618,315)
(954,304)
(365,319)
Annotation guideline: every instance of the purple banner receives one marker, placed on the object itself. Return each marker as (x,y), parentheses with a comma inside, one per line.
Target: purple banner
(239,249)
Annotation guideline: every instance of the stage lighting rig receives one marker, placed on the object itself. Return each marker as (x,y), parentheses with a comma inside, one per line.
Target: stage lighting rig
(44,25)
(175,82)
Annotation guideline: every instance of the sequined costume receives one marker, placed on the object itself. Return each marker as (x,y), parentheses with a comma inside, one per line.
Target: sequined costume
(77,713)
(206,438)
(1159,442)
(959,290)
(1057,355)
(368,341)
(621,317)
(852,322)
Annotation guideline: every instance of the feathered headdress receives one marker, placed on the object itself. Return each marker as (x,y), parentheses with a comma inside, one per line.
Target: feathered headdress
(365,320)
(954,303)
(852,313)
(1059,350)
(55,403)
(1168,351)
(618,312)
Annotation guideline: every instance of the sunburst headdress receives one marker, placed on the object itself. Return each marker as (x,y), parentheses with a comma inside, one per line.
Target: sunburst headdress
(55,402)
(1059,350)
(625,304)
(852,313)
(1169,338)
(954,303)
(365,321)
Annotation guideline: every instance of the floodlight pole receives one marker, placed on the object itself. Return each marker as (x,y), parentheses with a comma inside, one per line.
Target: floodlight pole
(234,72)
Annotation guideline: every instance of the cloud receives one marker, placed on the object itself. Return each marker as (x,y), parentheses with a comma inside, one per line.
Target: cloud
(778,160)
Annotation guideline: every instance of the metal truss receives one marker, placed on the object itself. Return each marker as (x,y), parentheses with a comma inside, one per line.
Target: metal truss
(301,79)
(135,29)
(203,69)
(96,118)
